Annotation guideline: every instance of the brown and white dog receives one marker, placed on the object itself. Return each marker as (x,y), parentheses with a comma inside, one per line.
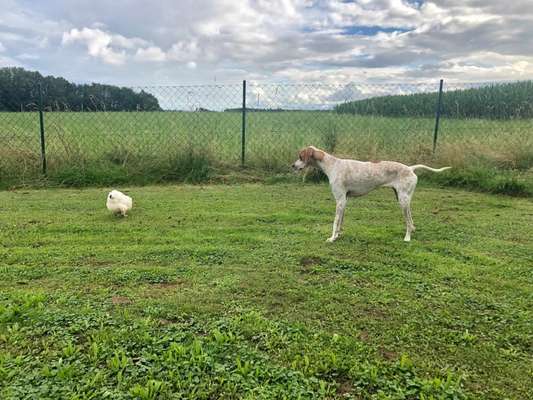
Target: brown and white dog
(357,178)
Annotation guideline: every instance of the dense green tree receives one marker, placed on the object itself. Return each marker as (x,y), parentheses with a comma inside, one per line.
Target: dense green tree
(19,90)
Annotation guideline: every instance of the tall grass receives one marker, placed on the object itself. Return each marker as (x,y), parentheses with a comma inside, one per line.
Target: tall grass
(141,147)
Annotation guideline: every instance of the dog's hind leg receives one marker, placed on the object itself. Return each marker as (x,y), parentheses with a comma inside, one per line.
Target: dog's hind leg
(404,201)
(405,193)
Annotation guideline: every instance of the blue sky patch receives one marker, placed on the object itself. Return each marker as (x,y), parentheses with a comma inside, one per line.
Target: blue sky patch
(370,30)
(415,3)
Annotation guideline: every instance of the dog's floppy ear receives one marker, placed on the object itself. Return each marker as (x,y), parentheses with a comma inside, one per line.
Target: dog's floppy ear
(318,154)
(306,154)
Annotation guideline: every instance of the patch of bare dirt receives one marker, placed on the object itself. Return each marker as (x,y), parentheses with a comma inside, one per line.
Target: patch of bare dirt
(118,300)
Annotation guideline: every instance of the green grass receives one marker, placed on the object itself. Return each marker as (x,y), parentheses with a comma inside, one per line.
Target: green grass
(99,148)
(232,292)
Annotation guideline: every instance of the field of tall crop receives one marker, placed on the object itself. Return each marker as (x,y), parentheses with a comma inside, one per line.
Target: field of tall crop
(492,101)
(142,147)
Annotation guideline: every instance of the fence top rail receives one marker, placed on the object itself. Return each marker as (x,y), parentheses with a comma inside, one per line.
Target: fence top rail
(212,86)
(349,97)
(311,84)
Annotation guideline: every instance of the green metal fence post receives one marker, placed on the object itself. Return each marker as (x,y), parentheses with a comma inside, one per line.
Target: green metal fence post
(243,128)
(437,117)
(41,125)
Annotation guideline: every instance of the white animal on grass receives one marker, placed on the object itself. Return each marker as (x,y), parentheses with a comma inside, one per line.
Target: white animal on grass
(118,202)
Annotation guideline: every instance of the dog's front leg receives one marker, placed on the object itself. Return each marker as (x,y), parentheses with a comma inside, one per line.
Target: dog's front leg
(339,216)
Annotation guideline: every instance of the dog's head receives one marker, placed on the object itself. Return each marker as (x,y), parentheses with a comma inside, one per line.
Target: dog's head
(308,156)
(114,195)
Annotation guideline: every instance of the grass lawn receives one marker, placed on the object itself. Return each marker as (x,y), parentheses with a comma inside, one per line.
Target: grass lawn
(232,292)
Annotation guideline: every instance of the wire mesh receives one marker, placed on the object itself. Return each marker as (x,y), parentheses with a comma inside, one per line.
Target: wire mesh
(186,126)
(489,124)
(338,118)
(165,132)
(20,155)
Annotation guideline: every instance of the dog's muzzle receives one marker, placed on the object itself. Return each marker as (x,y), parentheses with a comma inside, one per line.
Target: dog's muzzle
(298,165)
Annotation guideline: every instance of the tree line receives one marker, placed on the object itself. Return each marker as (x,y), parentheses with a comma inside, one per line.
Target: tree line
(19,91)
(495,101)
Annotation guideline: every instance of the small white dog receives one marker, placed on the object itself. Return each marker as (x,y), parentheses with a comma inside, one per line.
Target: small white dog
(118,202)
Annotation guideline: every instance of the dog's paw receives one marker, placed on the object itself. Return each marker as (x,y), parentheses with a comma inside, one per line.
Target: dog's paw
(331,239)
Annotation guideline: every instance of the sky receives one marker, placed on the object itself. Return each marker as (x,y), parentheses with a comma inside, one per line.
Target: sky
(131,42)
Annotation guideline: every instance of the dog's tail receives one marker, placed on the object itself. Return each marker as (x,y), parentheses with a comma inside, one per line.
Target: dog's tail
(415,167)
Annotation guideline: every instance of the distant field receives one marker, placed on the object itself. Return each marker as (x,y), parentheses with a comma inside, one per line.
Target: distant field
(225,292)
(157,142)
(501,101)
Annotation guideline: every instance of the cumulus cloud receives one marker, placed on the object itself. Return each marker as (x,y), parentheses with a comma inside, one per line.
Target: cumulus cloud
(184,50)
(275,40)
(106,46)
(150,54)
(26,56)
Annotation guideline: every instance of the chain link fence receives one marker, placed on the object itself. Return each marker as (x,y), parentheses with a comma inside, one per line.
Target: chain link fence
(191,132)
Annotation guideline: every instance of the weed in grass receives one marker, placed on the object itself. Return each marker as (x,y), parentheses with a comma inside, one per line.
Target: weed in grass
(483,179)
(190,166)
(330,138)
(91,174)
